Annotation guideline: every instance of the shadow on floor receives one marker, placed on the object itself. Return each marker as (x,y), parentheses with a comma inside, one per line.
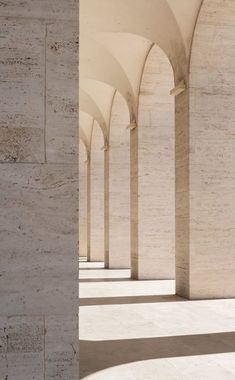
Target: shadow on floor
(105,279)
(94,268)
(129,300)
(99,355)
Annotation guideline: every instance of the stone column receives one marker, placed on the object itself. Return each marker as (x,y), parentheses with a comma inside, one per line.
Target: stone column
(134,201)
(83,161)
(89,207)
(205,160)
(97,195)
(119,219)
(106,205)
(38,190)
(154,257)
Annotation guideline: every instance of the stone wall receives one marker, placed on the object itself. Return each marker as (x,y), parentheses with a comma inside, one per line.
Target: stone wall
(38,190)
(119,185)
(82,200)
(212,152)
(156,170)
(182,212)
(97,195)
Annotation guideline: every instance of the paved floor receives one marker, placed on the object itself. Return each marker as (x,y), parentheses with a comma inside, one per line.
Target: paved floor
(139,330)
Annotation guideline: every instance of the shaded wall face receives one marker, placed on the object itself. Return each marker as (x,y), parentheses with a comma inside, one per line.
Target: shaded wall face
(82,200)
(212,152)
(97,195)
(119,185)
(38,191)
(156,177)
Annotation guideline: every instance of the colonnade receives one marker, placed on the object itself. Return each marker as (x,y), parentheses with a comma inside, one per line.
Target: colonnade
(164,202)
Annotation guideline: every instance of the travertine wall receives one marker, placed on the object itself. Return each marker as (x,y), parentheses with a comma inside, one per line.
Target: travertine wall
(182,212)
(82,200)
(156,170)
(119,185)
(97,195)
(38,190)
(211,160)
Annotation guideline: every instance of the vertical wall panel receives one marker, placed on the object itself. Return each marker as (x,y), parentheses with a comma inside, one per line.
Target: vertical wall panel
(97,195)
(38,190)
(211,158)
(119,185)
(156,170)
(82,200)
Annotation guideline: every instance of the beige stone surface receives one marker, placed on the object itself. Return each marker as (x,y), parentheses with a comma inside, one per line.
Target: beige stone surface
(37,277)
(212,142)
(22,76)
(61,107)
(61,347)
(97,195)
(209,265)
(106,203)
(23,354)
(135,330)
(181,194)
(119,185)
(156,177)
(82,200)
(38,200)
(40,9)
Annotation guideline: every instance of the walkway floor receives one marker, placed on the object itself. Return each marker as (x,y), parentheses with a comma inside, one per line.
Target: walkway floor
(138,330)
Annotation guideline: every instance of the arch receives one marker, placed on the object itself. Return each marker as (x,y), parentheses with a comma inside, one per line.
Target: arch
(88,105)
(102,93)
(156,20)
(130,51)
(84,140)
(98,63)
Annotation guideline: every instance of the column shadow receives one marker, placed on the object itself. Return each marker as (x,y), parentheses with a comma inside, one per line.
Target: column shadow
(105,279)
(99,355)
(94,268)
(129,300)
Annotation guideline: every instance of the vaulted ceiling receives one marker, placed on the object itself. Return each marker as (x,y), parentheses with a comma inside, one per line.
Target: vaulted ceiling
(115,39)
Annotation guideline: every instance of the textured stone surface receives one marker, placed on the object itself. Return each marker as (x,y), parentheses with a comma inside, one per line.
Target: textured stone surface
(82,200)
(119,186)
(44,9)
(24,348)
(97,195)
(211,143)
(21,145)
(61,347)
(38,225)
(61,108)
(22,78)
(212,147)
(38,200)
(156,207)
(181,194)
